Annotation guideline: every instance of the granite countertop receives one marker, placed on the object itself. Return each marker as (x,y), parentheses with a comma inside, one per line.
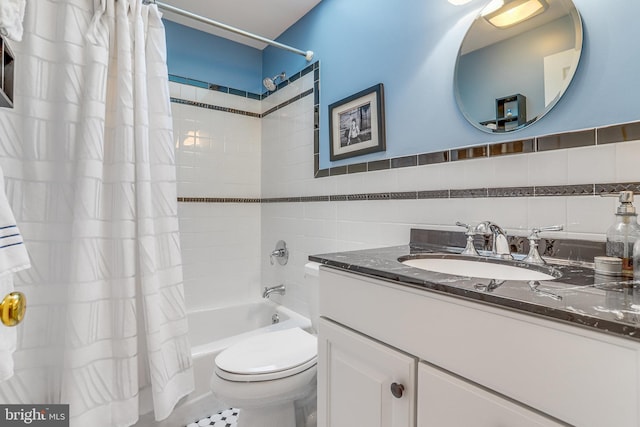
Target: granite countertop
(580,297)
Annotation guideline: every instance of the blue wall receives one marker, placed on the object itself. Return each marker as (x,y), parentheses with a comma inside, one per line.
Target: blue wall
(203,56)
(412,46)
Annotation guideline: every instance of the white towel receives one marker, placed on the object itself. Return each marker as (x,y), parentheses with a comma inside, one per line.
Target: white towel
(13,258)
(8,334)
(11,16)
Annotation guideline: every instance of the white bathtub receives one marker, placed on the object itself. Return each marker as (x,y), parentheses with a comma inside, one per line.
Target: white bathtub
(211,331)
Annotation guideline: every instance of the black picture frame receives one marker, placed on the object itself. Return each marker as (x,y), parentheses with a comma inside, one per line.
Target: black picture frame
(356,124)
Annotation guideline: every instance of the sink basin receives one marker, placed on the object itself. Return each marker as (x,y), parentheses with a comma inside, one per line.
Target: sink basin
(481,268)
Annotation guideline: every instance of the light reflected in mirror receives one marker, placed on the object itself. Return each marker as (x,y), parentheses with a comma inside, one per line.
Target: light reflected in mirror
(507,78)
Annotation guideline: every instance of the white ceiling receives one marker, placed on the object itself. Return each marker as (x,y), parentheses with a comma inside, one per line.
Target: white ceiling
(266,18)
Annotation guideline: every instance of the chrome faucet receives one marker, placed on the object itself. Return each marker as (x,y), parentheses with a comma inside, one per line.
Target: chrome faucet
(499,244)
(280,289)
(470,249)
(534,256)
(281,253)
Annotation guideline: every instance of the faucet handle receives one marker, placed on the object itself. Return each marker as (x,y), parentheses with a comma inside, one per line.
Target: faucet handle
(534,256)
(471,229)
(280,252)
(470,248)
(535,231)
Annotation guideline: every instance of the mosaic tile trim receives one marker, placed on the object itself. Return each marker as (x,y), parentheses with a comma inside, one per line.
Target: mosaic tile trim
(242,112)
(582,138)
(511,192)
(244,94)
(566,190)
(617,188)
(215,107)
(467,193)
(433,194)
(288,102)
(218,200)
(213,86)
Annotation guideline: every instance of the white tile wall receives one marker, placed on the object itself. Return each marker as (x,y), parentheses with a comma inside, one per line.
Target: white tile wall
(226,246)
(320,227)
(220,253)
(218,155)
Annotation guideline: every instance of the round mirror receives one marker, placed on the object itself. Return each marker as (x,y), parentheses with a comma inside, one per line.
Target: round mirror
(516,61)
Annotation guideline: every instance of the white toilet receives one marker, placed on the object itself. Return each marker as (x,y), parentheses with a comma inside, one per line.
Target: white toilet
(266,374)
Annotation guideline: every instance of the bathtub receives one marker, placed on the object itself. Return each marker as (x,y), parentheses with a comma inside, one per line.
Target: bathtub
(210,332)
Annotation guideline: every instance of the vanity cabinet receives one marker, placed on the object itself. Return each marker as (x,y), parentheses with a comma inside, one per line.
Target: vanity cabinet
(363,382)
(501,366)
(445,400)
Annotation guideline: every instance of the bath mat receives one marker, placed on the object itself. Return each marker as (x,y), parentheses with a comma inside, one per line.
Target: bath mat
(226,418)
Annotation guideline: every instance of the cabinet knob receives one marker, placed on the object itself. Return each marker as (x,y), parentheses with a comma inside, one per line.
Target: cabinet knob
(397,390)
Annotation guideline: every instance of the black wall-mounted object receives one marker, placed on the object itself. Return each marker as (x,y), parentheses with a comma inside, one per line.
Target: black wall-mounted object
(7,62)
(511,112)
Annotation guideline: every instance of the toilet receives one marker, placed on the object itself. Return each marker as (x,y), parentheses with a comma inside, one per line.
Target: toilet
(266,374)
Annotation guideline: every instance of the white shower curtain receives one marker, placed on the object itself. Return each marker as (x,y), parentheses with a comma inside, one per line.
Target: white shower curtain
(90,170)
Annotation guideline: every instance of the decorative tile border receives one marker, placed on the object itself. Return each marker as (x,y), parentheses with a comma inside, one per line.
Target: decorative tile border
(468,193)
(244,94)
(218,200)
(511,192)
(583,138)
(215,107)
(566,190)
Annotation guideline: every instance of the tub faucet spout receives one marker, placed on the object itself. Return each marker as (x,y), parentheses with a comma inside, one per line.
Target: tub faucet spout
(273,290)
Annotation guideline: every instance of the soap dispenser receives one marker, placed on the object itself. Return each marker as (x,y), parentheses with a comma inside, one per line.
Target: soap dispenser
(622,235)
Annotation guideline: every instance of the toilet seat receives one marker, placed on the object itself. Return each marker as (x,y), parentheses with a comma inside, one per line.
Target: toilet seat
(268,356)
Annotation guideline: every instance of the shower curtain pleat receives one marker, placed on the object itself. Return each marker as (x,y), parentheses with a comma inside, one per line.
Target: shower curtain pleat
(107,283)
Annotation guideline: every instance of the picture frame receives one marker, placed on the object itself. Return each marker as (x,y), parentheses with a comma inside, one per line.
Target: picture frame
(357,124)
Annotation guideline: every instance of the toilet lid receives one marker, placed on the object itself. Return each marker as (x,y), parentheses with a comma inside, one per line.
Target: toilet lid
(270,355)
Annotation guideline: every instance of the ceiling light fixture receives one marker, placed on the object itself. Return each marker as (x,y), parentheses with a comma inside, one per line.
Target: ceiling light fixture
(506,13)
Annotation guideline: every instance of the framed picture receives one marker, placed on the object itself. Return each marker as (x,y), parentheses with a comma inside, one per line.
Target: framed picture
(356,124)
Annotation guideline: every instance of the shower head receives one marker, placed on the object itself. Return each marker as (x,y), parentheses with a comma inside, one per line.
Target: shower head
(270,83)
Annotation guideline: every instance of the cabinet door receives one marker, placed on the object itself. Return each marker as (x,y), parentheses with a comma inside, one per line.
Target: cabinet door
(445,400)
(355,378)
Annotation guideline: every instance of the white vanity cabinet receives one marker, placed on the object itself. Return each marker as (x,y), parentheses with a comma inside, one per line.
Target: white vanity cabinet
(497,366)
(364,382)
(445,400)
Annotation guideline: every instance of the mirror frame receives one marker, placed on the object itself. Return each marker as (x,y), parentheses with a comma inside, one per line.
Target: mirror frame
(579,45)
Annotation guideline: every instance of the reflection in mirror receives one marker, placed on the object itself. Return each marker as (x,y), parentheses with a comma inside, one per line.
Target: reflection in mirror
(516,61)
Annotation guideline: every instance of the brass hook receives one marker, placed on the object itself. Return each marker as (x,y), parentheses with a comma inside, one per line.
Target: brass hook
(12,308)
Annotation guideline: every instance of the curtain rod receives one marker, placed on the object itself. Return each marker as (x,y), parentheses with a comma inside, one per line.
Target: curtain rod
(308,54)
